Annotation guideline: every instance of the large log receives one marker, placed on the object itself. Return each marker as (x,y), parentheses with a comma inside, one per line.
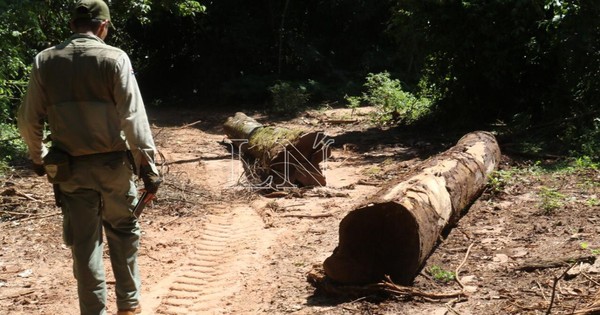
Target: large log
(398,228)
(289,157)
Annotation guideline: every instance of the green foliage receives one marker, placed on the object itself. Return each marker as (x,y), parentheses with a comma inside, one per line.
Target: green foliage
(391,102)
(190,8)
(288,97)
(353,103)
(572,165)
(507,59)
(28,26)
(11,146)
(593,202)
(583,140)
(550,200)
(584,163)
(498,180)
(25,28)
(586,245)
(440,274)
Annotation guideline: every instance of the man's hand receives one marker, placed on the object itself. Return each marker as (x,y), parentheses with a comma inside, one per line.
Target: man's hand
(151,180)
(38,169)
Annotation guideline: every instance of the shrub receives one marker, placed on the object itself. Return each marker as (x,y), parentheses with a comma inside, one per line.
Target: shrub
(288,98)
(11,146)
(440,274)
(391,102)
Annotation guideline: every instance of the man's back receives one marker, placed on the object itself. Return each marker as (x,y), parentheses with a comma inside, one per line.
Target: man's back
(79,78)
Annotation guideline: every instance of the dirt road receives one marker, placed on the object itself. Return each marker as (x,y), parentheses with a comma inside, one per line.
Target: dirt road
(210,246)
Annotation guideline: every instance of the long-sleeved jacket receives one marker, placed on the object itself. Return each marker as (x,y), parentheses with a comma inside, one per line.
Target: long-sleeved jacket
(88,93)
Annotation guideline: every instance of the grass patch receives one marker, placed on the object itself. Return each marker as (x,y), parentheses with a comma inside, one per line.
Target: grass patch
(551,200)
(440,274)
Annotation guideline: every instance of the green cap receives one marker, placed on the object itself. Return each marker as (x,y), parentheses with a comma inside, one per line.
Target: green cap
(91,9)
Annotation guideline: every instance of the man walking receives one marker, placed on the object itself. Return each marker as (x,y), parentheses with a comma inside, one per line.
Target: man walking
(86,91)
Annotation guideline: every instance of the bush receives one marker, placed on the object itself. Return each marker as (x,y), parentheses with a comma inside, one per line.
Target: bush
(288,98)
(12,147)
(391,102)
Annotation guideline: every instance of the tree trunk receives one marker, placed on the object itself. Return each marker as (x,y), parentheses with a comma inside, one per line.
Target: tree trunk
(286,157)
(397,229)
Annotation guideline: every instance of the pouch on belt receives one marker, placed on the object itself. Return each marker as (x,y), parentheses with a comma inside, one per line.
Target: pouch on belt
(57,165)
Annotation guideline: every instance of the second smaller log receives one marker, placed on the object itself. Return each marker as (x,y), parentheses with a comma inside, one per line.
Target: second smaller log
(283,156)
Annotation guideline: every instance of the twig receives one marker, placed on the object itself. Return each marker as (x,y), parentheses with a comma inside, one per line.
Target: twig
(40,216)
(156,259)
(171,221)
(27,197)
(10,204)
(590,278)
(12,296)
(320,281)
(532,265)
(183,189)
(450,308)
(14,213)
(190,125)
(389,286)
(340,121)
(30,216)
(322,215)
(294,205)
(541,290)
(457,270)
(184,161)
(464,233)
(206,158)
(277,194)
(366,183)
(556,279)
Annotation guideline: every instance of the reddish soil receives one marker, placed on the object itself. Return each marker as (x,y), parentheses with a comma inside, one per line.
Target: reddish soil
(211,246)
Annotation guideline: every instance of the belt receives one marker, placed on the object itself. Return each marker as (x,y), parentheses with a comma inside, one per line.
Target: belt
(103,155)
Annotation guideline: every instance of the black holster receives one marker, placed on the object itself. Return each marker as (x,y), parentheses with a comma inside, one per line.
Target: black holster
(57,195)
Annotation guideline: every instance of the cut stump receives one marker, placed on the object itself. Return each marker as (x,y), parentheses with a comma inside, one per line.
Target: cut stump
(398,228)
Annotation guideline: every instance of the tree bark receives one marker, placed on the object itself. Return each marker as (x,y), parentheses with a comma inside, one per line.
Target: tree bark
(398,227)
(289,157)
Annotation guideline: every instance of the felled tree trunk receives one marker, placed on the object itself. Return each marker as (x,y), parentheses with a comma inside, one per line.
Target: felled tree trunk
(397,229)
(284,157)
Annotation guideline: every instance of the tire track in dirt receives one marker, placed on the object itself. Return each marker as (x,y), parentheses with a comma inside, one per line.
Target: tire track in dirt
(213,273)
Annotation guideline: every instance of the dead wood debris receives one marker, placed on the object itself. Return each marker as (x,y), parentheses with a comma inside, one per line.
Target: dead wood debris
(340,121)
(368,183)
(457,271)
(593,308)
(536,264)
(320,192)
(387,287)
(556,279)
(311,216)
(13,192)
(17,295)
(266,214)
